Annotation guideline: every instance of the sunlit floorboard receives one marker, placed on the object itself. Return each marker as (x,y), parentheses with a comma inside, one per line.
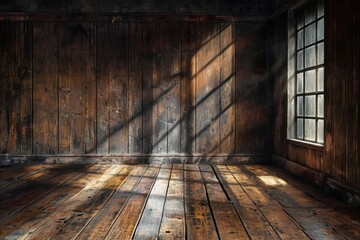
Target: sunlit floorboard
(167,202)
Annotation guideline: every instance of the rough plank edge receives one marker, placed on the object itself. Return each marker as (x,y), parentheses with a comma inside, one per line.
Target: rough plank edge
(340,190)
(6,160)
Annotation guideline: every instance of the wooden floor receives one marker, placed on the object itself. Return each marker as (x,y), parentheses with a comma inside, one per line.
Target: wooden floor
(167,202)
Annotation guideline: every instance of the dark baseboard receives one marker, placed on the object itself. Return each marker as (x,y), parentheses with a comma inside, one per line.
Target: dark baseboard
(134,159)
(305,173)
(343,191)
(336,188)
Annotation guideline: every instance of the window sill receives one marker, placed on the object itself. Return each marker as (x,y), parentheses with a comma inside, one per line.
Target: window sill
(315,146)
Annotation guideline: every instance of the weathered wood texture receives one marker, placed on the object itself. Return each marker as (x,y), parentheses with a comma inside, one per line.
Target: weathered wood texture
(339,159)
(16,87)
(168,202)
(133,88)
(244,7)
(252,109)
(45,88)
(76,88)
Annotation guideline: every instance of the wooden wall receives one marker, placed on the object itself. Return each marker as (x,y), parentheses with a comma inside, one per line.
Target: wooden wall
(99,87)
(240,7)
(339,158)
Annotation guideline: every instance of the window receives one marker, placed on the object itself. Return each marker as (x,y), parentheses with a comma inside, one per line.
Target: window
(306,80)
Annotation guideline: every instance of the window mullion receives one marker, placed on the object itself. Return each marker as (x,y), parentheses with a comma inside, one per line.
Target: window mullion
(304,82)
(307,12)
(316,71)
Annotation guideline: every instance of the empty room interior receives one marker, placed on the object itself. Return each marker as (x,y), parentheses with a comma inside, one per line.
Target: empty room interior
(192,119)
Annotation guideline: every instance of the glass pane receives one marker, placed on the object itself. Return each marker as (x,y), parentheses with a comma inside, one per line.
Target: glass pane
(310,78)
(310,34)
(320,131)
(320,53)
(300,39)
(320,30)
(310,106)
(310,126)
(310,12)
(320,79)
(300,106)
(300,56)
(300,18)
(310,57)
(321,105)
(300,83)
(299,128)
(320,8)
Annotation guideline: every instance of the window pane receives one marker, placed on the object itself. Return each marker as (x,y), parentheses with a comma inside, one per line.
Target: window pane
(310,106)
(321,105)
(300,18)
(310,12)
(320,30)
(310,34)
(310,126)
(300,56)
(320,79)
(320,53)
(299,128)
(300,106)
(300,83)
(320,131)
(310,78)
(300,39)
(320,8)
(310,57)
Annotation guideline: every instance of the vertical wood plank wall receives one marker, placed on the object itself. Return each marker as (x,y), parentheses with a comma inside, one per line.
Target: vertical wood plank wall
(339,159)
(133,88)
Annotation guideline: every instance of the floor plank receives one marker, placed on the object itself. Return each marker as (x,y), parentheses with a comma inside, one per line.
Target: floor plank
(255,223)
(315,192)
(78,209)
(35,215)
(173,221)
(240,176)
(227,221)
(101,223)
(149,224)
(179,201)
(11,175)
(32,216)
(270,208)
(15,197)
(286,194)
(282,223)
(199,221)
(126,222)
